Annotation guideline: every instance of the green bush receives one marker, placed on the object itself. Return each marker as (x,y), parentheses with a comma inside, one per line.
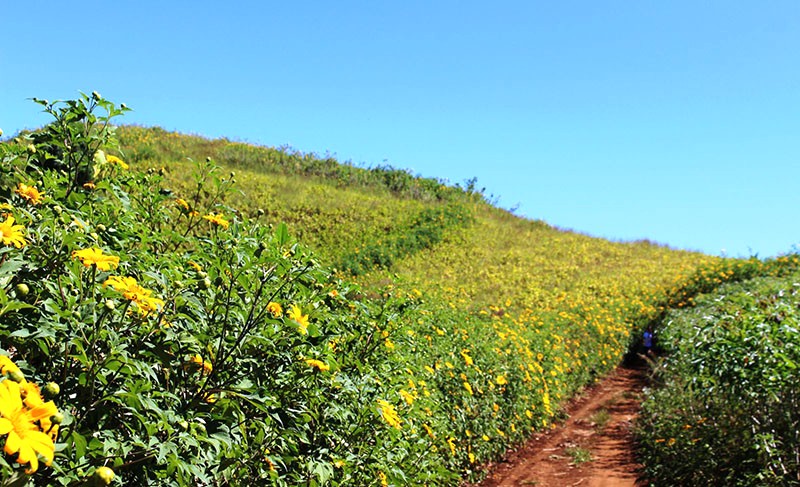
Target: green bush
(727,412)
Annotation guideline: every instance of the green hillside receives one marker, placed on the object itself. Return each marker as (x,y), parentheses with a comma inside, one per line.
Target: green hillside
(207,312)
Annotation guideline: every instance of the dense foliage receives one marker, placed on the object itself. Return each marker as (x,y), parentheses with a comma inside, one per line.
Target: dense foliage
(185,338)
(727,411)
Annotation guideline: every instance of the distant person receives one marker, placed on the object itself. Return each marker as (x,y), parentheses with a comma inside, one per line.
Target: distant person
(647,340)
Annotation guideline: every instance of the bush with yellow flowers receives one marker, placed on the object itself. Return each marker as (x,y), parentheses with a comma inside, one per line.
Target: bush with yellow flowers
(191,346)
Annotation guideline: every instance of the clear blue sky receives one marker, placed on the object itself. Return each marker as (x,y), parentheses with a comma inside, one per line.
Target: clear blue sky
(674,121)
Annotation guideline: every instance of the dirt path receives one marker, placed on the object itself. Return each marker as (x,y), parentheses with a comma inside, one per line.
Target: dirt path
(599,427)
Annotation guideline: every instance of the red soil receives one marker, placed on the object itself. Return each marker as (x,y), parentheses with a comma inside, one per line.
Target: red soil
(545,460)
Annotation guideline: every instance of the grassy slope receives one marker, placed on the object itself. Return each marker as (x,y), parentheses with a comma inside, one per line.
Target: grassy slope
(498,258)
(517,314)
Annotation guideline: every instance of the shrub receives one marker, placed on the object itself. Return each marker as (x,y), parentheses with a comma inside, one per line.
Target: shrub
(727,412)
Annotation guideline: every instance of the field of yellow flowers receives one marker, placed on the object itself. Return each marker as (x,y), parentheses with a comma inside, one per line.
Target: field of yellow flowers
(257,314)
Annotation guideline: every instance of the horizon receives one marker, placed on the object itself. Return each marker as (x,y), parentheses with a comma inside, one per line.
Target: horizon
(669,123)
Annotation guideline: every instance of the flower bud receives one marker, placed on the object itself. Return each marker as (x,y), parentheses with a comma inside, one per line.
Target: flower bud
(16,376)
(57,418)
(22,290)
(96,96)
(103,476)
(51,389)
(109,305)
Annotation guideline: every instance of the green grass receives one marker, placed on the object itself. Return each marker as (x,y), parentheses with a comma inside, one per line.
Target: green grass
(600,419)
(579,455)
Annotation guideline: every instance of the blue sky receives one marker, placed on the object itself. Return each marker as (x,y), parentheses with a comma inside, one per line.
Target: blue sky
(673,121)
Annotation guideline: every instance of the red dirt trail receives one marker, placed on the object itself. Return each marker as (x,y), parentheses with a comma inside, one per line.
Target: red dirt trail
(545,461)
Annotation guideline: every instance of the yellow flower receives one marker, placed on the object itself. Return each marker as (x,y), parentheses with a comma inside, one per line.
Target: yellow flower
(89,185)
(132,291)
(30,193)
(32,397)
(182,203)
(407,397)
(451,442)
(116,161)
(275,309)
(388,413)
(297,316)
(429,430)
(382,477)
(95,256)
(317,364)
(467,358)
(11,234)
(501,380)
(205,365)
(217,219)
(25,439)
(468,387)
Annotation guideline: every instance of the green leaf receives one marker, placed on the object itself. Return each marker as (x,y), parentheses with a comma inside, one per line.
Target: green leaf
(282,235)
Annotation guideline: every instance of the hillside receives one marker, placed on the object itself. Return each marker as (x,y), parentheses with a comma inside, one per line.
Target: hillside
(339,210)
(206,312)
(505,298)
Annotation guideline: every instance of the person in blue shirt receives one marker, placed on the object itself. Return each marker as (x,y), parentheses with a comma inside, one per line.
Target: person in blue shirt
(647,340)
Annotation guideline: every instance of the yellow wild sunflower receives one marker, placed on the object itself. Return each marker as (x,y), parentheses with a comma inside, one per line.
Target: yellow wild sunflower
(11,234)
(389,413)
(275,309)
(182,203)
(29,193)
(95,256)
(134,292)
(317,364)
(206,366)
(116,161)
(217,219)
(296,314)
(24,438)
